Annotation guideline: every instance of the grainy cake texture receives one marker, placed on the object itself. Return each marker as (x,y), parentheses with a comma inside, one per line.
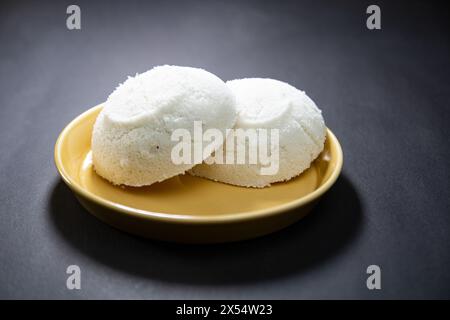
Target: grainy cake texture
(131,140)
(268,103)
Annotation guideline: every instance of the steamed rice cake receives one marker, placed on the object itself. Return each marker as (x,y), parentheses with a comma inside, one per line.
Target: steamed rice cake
(272,104)
(131,140)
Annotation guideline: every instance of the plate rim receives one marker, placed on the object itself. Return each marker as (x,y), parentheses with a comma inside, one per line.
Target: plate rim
(187,218)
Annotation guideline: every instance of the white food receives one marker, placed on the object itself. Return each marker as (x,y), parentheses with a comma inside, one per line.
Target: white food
(131,140)
(268,103)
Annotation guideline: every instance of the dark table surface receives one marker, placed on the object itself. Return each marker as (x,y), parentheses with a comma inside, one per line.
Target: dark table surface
(384,93)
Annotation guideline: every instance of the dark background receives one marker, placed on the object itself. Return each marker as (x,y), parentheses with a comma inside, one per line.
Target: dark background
(384,93)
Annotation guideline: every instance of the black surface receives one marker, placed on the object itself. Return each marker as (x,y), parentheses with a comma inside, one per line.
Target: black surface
(384,93)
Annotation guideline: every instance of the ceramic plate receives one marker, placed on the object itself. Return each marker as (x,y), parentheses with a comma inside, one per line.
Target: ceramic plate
(186,208)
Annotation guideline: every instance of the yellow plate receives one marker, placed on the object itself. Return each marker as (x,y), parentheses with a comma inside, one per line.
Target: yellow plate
(190,209)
